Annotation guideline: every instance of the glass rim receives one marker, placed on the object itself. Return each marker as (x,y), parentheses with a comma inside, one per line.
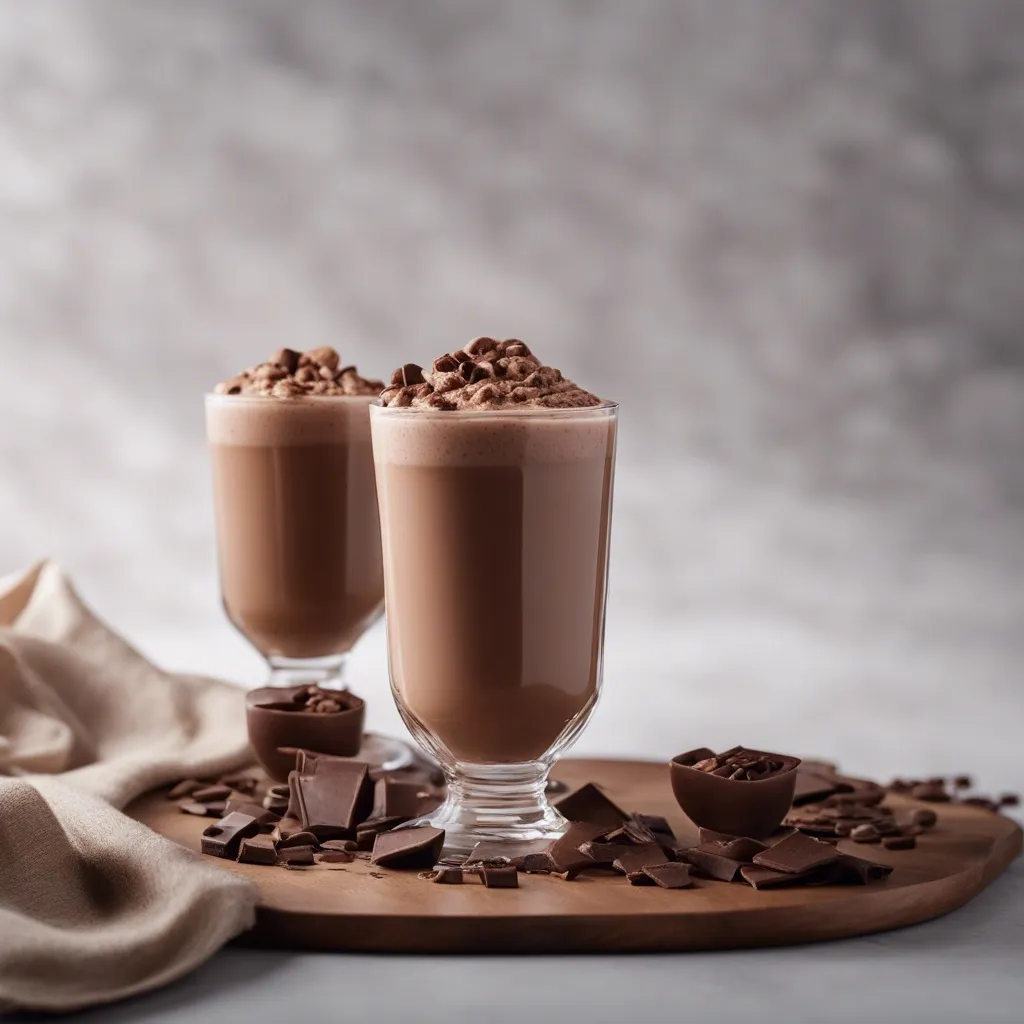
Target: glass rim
(605,408)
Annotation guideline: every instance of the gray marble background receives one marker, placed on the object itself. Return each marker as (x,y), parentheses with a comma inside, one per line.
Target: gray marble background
(787,235)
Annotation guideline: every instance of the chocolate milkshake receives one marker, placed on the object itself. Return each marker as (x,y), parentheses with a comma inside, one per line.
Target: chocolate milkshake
(494,475)
(297,527)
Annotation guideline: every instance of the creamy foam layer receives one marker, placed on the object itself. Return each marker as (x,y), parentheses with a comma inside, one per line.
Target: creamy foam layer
(420,438)
(260,421)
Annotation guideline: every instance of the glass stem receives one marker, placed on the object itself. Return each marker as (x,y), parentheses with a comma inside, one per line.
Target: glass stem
(327,673)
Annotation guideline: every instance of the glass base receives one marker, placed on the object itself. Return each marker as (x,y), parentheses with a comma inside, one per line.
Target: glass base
(504,806)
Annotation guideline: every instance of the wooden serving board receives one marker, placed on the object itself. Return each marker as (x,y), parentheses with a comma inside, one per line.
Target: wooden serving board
(361,908)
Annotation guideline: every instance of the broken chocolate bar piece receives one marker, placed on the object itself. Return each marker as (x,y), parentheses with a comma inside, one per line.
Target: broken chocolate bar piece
(210,794)
(795,854)
(409,847)
(184,788)
(850,870)
(296,839)
(333,857)
(444,876)
(899,842)
(741,849)
(669,875)
(767,878)
(295,855)
(656,823)
(264,817)
(500,877)
(589,804)
(633,858)
(631,831)
(565,851)
(534,863)
(258,849)
(713,864)
(396,798)
(223,839)
(603,854)
(330,796)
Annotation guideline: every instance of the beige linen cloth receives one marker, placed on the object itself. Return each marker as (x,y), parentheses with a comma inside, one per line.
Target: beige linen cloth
(93,905)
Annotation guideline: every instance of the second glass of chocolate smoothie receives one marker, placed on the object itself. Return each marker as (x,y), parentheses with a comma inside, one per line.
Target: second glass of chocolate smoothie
(298,533)
(495,501)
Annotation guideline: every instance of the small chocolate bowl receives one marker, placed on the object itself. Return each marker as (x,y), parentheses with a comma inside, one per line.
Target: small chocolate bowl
(737,807)
(278,726)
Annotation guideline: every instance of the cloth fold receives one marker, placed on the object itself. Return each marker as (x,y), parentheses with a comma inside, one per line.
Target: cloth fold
(93,905)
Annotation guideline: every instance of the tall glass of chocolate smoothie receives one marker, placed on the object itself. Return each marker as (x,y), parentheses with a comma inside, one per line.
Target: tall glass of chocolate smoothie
(494,478)
(298,533)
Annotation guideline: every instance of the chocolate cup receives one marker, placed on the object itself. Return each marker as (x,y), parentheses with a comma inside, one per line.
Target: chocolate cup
(738,807)
(273,724)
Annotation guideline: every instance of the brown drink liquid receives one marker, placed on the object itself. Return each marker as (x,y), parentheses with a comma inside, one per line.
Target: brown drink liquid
(297,527)
(495,529)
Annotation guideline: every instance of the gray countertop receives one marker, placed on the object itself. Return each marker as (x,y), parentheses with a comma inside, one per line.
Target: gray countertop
(964,967)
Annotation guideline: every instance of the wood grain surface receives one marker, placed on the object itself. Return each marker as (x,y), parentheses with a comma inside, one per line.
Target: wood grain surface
(361,908)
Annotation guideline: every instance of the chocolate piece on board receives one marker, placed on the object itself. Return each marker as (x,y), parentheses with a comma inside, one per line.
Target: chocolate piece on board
(184,788)
(812,786)
(631,831)
(397,798)
(295,855)
(332,796)
(589,804)
(633,858)
(741,849)
(263,816)
(258,849)
(223,839)
(210,794)
(534,863)
(408,847)
(668,876)
(850,870)
(766,878)
(603,854)
(297,839)
(333,857)
(503,877)
(506,853)
(565,851)
(713,864)
(796,854)
(446,876)
(656,823)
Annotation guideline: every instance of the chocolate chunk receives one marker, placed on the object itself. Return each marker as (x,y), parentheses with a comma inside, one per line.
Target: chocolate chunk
(408,848)
(713,864)
(668,876)
(223,839)
(1009,800)
(297,839)
(850,870)
(295,855)
(589,804)
(899,842)
(184,788)
(286,827)
(240,782)
(258,849)
(263,816)
(631,831)
(656,823)
(504,853)
(333,857)
(795,854)
(395,798)
(446,876)
(603,854)
(741,849)
(331,796)
(963,782)
(812,787)
(210,794)
(504,877)
(565,851)
(338,845)
(287,358)
(534,863)
(768,878)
